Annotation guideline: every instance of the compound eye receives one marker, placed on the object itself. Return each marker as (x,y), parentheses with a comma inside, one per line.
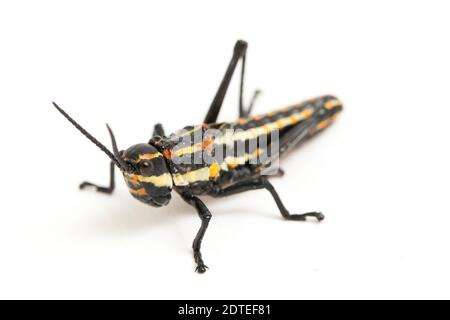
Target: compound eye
(147,167)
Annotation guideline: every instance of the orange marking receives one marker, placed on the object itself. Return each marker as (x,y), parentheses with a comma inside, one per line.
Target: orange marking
(232,164)
(321,125)
(307,113)
(257,118)
(167,154)
(148,156)
(139,192)
(207,142)
(324,123)
(133,179)
(214,170)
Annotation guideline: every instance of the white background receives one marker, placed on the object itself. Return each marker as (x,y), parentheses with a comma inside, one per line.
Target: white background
(380,173)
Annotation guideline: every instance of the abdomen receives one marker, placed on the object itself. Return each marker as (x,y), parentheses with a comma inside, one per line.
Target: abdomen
(295,123)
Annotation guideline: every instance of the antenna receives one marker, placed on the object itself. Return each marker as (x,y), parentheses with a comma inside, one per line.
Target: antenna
(115,158)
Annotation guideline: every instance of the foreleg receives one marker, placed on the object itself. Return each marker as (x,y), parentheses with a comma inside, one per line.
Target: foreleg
(107,190)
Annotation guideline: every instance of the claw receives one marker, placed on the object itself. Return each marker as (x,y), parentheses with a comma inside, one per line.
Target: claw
(85,184)
(302,217)
(201,268)
(320,216)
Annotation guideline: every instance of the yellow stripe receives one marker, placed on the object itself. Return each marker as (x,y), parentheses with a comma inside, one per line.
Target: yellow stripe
(186,150)
(203,174)
(191,177)
(164,180)
(265,129)
(332,104)
(199,146)
(233,162)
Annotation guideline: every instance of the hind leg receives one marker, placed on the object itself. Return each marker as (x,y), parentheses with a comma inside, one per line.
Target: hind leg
(284,212)
(239,54)
(245,113)
(263,183)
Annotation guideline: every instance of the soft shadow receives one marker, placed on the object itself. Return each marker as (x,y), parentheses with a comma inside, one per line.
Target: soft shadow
(127,216)
(124,216)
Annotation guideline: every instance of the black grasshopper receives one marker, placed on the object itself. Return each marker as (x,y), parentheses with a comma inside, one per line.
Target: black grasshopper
(216,159)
